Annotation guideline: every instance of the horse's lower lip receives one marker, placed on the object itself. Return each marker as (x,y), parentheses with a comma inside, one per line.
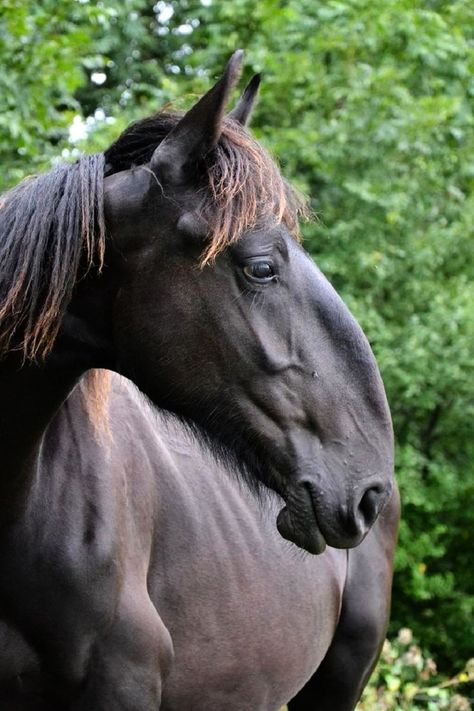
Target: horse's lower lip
(296,529)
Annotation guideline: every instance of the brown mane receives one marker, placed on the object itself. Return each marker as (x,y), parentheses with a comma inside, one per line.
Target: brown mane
(50,226)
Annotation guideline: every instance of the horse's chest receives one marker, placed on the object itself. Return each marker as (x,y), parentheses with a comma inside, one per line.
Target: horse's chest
(251,619)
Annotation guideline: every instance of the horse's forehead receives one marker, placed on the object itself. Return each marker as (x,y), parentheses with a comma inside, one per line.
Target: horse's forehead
(265,238)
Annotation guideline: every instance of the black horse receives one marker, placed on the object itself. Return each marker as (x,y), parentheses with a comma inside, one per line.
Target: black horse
(134,574)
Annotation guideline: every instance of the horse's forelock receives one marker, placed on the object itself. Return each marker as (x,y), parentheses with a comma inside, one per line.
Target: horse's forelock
(246,188)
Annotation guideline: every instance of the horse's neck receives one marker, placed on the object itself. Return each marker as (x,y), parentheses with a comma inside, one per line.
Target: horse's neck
(30,397)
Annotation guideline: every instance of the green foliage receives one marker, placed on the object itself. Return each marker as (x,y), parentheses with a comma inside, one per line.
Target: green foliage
(407,680)
(42,47)
(369,107)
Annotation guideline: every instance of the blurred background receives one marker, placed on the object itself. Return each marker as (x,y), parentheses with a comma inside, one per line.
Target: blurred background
(369,107)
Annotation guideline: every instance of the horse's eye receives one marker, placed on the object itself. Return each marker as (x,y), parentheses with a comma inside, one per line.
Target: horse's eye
(259,271)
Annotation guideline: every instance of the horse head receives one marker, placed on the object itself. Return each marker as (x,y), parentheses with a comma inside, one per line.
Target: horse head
(222,318)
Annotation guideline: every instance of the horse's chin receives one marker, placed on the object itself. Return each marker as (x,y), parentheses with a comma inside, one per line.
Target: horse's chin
(295,527)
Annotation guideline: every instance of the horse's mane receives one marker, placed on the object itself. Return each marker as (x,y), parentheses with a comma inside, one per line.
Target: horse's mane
(49,224)
(52,226)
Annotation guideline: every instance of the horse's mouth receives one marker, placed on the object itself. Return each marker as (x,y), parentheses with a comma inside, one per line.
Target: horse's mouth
(298,524)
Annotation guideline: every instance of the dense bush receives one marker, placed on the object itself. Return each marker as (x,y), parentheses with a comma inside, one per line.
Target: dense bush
(369,107)
(407,680)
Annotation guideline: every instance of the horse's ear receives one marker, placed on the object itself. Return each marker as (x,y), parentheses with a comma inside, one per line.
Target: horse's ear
(244,107)
(198,131)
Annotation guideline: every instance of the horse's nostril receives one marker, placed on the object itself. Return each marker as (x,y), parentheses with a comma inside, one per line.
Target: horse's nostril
(369,505)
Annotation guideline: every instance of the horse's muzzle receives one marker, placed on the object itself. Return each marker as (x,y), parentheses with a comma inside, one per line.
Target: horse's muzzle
(308,537)
(312,520)
(298,523)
